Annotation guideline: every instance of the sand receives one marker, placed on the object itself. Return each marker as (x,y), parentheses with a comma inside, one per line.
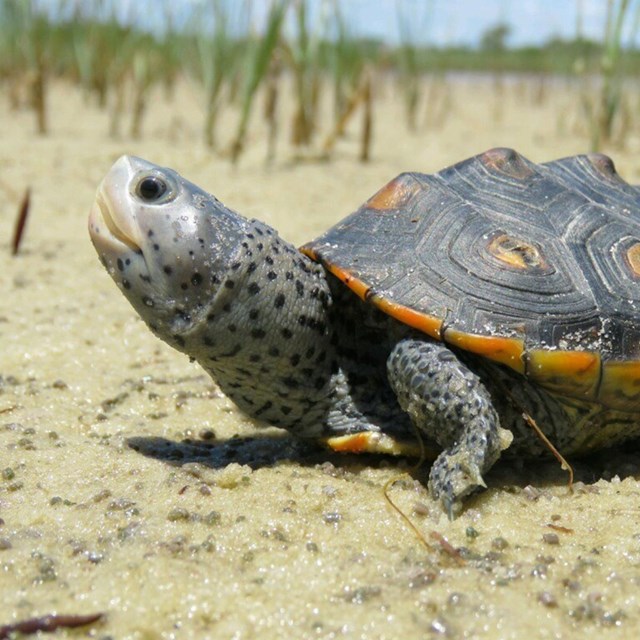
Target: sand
(129,486)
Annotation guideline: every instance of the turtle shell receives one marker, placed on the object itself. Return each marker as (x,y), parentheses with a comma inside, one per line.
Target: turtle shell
(534,266)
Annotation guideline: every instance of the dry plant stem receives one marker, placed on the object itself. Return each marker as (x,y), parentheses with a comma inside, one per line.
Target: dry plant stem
(271,109)
(115,120)
(355,100)
(367,120)
(48,623)
(557,455)
(21,221)
(534,425)
(447,547)
(38,96)
(405,518)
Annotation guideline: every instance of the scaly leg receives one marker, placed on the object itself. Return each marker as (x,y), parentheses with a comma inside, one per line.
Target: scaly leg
(453,407)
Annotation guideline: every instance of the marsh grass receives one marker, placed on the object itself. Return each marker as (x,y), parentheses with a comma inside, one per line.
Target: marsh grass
(215,57)
(235,54)
(259,53)
(28,45)
(605,107)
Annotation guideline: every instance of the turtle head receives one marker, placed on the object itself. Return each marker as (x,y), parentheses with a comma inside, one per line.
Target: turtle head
(165,242)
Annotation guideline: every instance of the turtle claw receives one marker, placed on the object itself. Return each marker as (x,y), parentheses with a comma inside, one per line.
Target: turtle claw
(453,477)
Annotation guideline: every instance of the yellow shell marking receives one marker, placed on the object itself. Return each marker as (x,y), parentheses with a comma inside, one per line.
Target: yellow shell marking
(506,161)
(357,286)
(620,386)
(633,259)
(516,253)
(572,373)
(507,351)
(394,194)
(428,324)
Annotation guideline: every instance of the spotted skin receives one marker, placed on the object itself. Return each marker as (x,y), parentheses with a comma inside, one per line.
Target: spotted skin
(295,348)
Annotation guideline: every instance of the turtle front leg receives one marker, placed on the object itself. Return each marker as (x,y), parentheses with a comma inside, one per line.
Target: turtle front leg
(453,407)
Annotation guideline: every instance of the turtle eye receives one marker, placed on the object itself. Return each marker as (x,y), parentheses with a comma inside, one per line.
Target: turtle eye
(151,188)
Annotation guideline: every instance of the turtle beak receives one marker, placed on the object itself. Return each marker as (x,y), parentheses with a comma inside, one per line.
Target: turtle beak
(112,221)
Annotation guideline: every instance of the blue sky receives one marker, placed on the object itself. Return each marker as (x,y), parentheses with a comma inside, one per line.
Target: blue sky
(463,21)
(438,22)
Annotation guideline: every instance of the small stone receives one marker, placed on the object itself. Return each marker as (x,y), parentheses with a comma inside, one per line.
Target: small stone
(8,473)
(233,475)
(101,495)
(360,595)
(178,514)
(421,579)
(421,509)
(95,557)
(571,585)
(539,571)
(440,627)
(5,544)
(499,543)
(471,533)
(551,538)
(111,403)
(213,517)
(330,492)
(157,415)
(547,599)
(531,493)
(332,517)
(121,504)
(456,599)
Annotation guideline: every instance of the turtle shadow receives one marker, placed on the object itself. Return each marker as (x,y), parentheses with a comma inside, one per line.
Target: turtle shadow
(257,452)
(269,450)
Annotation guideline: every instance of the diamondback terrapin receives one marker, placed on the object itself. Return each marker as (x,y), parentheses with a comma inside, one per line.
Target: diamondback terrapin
(492,289)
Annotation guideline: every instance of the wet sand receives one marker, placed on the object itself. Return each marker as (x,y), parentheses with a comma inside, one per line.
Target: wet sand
(130,486)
